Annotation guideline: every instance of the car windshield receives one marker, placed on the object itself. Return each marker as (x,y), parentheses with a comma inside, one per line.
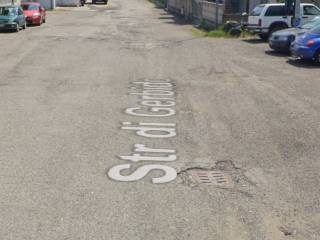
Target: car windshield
(315,30)
(30,7)
(311,24)
(7,11)
(257,10)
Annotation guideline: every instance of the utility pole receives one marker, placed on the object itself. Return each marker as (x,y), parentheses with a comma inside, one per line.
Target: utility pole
(294,9)
(297,13)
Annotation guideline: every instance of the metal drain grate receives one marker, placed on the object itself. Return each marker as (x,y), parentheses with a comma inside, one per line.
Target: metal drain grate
(216,178)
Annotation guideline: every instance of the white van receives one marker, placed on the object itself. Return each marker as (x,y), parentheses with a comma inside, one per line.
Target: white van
(268,18)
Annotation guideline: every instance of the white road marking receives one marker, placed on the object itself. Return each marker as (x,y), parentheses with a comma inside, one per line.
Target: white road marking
(137,157)
(157,100)
(143,148)
(169,112)
(170,173)
(153,132)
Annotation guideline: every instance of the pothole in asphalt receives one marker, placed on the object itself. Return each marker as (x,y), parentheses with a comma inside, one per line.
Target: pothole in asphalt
(224,174)
(220,175)
(214,178)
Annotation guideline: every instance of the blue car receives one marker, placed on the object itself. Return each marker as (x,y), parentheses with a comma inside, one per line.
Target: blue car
(281,40)
(307,45)
(12,18)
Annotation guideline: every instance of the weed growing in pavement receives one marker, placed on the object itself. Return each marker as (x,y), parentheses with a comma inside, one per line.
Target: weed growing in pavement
(218,33)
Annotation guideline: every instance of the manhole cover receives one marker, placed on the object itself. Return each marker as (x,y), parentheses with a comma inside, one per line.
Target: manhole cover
(216,178)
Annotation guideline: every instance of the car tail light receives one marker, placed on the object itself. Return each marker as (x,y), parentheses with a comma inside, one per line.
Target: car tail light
(260,22)
(310,43)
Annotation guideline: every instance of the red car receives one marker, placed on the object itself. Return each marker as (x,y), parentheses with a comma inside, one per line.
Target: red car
(34,13)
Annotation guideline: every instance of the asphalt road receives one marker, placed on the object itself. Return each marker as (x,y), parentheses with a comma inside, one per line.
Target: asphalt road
(248,118)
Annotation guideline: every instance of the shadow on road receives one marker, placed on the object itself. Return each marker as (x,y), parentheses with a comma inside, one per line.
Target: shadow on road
(7,31)
(254,41)
(277,54)
(300,63)
(174,19)
(170,17)
(158,6)
(97,3)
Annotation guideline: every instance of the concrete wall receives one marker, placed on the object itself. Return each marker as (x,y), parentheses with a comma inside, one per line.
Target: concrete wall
(206,10)
(254,3)
(51,4)
(67,2)
(209,12)
(197,9)
(5,2)
(47,4)
(176,5)
(182,7)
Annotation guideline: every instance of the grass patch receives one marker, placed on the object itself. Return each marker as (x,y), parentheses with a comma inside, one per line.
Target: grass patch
(205,30)
(247,35)
(219,33)
(197,32)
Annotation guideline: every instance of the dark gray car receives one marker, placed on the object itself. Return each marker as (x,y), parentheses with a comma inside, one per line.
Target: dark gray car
(281,40)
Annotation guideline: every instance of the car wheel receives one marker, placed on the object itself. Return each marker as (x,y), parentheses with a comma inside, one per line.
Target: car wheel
(317,57)
(93,2)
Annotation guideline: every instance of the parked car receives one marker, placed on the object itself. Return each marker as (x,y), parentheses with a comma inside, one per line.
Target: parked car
(95,1)
(12,18)
(34,13)
(307,45)
(268,18)
(281,40)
